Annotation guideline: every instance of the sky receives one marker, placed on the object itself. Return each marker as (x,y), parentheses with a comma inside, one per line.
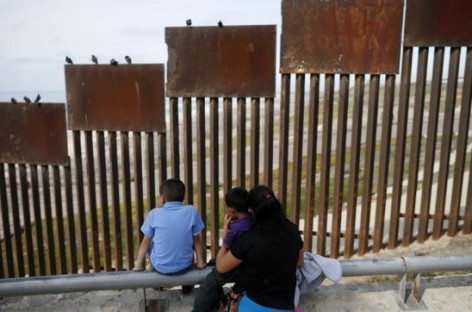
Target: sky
(36,35)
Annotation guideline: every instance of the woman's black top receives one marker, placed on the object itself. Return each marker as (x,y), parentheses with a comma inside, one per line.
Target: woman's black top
(268,271)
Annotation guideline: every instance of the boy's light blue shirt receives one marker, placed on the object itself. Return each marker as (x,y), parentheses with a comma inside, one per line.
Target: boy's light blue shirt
(172,228)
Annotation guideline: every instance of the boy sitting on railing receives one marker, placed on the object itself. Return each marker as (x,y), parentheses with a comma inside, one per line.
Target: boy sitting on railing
(172,234)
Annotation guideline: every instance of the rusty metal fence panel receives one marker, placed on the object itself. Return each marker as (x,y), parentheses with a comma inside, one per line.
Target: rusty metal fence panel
(341,36)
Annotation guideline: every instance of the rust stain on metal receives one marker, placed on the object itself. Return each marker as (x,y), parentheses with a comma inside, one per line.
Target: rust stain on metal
(438,23)
(229,61)
(33,134)
(340,36)
(127,97)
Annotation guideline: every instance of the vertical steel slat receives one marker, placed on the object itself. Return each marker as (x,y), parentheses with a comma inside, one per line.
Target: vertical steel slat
(102,167)
(284,139)
(313,109)
(151,181)
(92,200)
(162,157)
(227,144)
(6,223)
(269,142)
(16,220)
(116,201)
(59,219)
(354,165)
(255,139)
(2,272)
(417,130)
(201,167)
(70,219)
(125,166)
(297,147)
(430,148)
(369,163)
(48,219)
(214,176)
(446,140)
(339,165)
(241,143)
(325,164)
(138,184)
(174,129)
(27,220)
(384,164)
(81,201)
(37,220)
(188,167)
(402,125)
(461,146)
(468,204)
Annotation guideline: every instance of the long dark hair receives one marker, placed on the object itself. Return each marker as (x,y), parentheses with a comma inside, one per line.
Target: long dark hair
(268,211)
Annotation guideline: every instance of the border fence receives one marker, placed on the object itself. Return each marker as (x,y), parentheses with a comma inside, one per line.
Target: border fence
(367,145)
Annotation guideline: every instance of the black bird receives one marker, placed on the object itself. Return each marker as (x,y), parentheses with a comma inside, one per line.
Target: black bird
(188,22)
(94,59)
(128,59)
(37,99)
(69,61)
(14,101)
(114,62)
(27,99)
(220,24)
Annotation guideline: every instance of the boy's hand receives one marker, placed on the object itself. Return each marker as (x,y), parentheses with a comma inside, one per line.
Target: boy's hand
(226,221)
(138,267)
(200,266)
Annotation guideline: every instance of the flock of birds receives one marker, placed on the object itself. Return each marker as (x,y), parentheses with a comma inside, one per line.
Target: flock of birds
(28,100)
(113,62)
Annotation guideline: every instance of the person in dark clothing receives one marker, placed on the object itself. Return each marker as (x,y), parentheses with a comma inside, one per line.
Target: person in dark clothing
(237,220)
(267,256)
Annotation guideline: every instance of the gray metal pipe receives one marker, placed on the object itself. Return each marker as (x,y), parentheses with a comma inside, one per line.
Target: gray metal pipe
(57,284)
(129,280)
(419,264)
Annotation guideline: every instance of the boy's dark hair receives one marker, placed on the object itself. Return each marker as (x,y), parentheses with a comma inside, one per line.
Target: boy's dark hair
(237,198)
(172,190)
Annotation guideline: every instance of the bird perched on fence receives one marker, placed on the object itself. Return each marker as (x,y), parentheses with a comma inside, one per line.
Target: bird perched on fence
(37,99)
(220,24)
(27,99)
(128,59)
(114,62)
(13,100)
(94,59)
(69,61)
(188,22)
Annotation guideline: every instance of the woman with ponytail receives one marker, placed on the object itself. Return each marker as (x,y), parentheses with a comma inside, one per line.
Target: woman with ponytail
(267,256)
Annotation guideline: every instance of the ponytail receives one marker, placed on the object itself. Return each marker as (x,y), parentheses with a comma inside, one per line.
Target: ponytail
(268,211)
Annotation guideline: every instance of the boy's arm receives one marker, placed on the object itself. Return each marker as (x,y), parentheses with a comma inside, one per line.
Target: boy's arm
(198,247)
(143,249)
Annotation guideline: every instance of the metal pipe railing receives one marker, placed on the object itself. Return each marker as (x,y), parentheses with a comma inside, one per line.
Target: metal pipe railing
(128,280)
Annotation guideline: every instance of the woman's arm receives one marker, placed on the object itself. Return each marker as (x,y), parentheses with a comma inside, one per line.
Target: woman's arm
(225,261)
